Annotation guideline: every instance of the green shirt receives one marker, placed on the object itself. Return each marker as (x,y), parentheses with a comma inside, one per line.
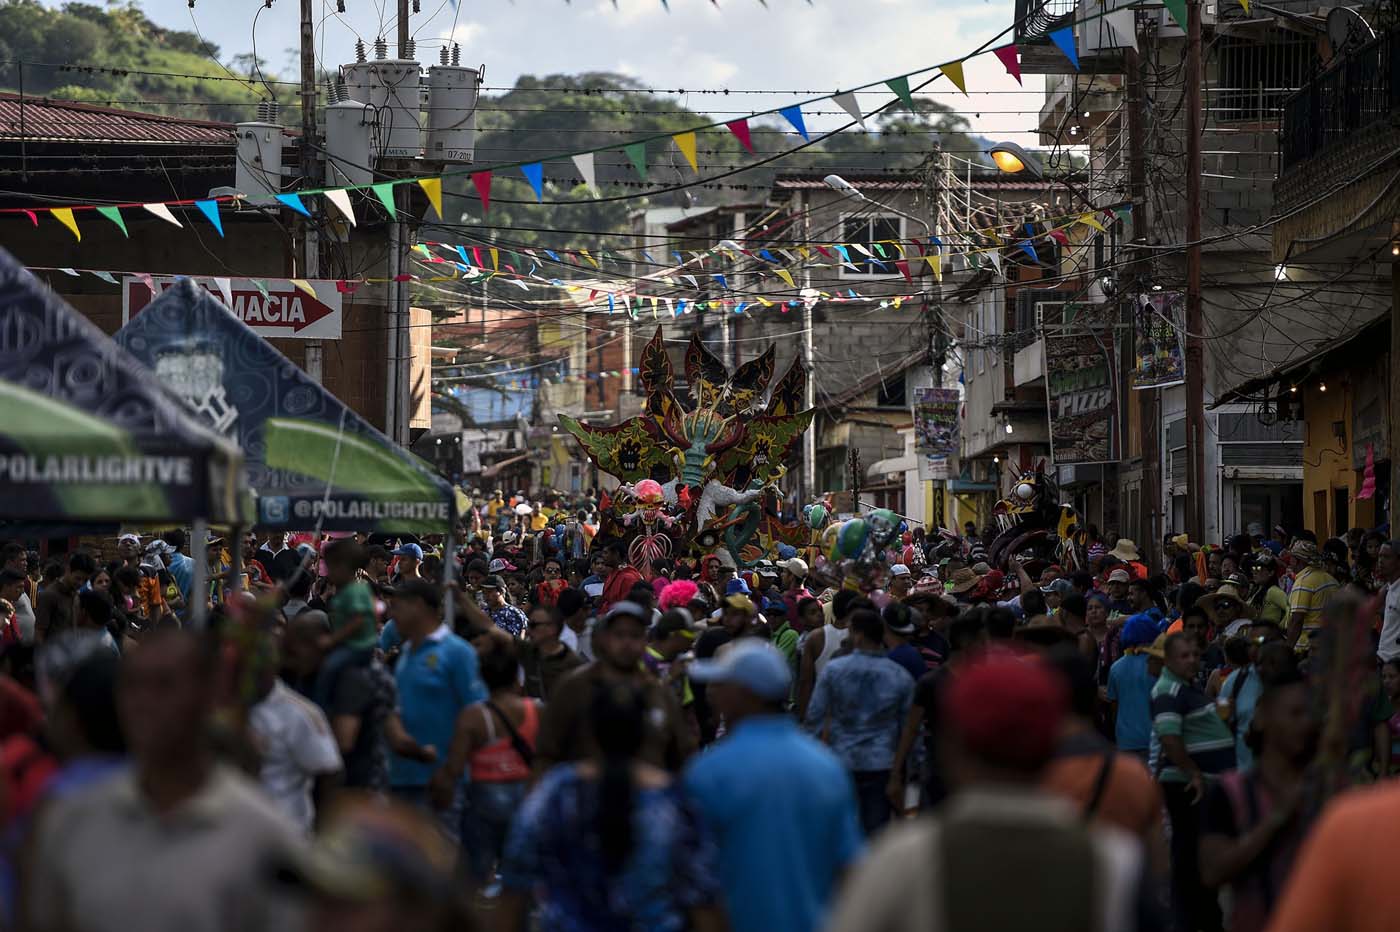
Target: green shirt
(1183,711)
(785,640)
(354,606)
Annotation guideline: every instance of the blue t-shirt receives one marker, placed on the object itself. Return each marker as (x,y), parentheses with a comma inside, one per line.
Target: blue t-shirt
(1244,703)
(784,839)
(908,657)
(1130,685)
(182,571)
(437,679)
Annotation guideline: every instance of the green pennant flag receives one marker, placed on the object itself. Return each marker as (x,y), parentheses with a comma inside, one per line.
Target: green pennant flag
(114,214)
(1177,8)
(974,260)
(900,86)
(385,192)
(637,154)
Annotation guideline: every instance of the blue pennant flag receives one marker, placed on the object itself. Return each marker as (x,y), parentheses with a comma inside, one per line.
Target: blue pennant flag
(740,308)
(723,282)
(1064,40)
(210,209)
(1029,249)
(646,255)
(680,306)
(294,202)
(765,254)
(793,115)
(611,308)
(534,173)
(677,257)
(553,255)
(462,251)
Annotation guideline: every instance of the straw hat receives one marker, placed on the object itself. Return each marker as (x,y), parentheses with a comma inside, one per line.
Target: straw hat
(964,580)
(1228,591)
(1158,648)
(1126,551)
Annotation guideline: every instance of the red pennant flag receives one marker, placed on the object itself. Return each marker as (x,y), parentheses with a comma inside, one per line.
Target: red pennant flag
(476,257)
(33,217)
(826,252)
(346,287)
(403,278)
(482,180)
(1368,475)
(1010,57)
(740,129)
(903,266)
(1060,236)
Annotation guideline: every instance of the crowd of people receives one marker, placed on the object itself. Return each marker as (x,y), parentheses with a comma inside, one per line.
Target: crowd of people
(528,730)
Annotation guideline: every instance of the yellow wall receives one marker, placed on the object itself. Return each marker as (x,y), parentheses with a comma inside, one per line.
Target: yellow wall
(1326,459)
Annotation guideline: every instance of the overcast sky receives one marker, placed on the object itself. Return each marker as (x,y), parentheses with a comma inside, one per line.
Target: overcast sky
(791,45)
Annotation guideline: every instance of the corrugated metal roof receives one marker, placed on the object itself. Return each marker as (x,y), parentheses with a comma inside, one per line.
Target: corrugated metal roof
(38,119)
(908,184)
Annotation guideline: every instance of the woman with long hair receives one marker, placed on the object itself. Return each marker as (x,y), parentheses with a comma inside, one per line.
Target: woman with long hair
(608,843)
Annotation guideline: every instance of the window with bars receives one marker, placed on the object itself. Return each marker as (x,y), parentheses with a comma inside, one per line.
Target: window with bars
(875,235)
(1256,75)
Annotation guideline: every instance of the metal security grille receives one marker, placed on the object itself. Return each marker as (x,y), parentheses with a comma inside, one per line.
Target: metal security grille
(1257,75)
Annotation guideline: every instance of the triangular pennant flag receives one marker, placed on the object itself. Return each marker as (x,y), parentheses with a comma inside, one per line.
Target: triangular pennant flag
(786,276)
(723,282)
(34,218)
(1245,4)
(1010,58)
(1123,212)
(903,267)
(293,201)
(339,198)
(994,257)
(1026,246)
(637,155)
(954,73)
(64,215)
(225,286)
(691,279)
(847,101)
(611,307)
(495,258)
(114,214)
(163,212)
(72,272)
(1089,220)
(1177,8)
(900,86)
(302,284)
(1122,29)
(261,285)
(210,209)
(1064,41)
(534,173)
(385,192)
(106,277)
(793,115)
(1060,236)
(585,165)
(740,129)
(686,143)
(433,188)
(482,182)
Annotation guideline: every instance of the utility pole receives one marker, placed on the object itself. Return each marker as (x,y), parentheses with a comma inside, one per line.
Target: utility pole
(1195,369)
(809,400)
(397,365)
(1147,398)
(310,164)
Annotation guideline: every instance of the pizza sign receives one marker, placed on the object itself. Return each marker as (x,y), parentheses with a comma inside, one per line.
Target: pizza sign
(279,309)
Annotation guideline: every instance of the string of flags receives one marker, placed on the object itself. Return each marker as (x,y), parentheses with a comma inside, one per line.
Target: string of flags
(338,199)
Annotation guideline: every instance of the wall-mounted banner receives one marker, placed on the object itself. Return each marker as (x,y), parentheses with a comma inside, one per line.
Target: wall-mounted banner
(1159,358)
(275,308)
(936,421)
(1081,378)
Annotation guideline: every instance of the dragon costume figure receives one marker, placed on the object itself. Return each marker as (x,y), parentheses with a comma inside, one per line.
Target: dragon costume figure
(1034,528)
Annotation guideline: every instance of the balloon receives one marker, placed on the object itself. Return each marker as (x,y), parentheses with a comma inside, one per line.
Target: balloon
(884,525)
(816,516)
(828,541)
(852,537)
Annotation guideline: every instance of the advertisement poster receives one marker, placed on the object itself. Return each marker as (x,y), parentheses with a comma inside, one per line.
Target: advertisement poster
(1081,378)
(1159,356)
(936,421)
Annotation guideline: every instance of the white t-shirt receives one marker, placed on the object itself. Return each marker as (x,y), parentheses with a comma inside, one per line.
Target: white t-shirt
(297,745)
(1390,625)
(24,618)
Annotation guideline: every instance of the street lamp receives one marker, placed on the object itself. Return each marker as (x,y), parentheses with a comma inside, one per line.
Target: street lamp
(846,189)
(1013,160)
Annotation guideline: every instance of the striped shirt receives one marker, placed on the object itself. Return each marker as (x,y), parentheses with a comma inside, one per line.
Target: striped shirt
(1311,590)
(1183,711)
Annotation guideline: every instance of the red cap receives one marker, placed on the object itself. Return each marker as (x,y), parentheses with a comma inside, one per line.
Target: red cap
(1007,709)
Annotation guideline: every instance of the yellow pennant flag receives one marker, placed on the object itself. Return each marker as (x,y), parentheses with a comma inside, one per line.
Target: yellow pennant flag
(433,188)
(495,258)
(954,71)
(786,276)
(991,234)
(1089,220)
(64,215)
(764,301)
(898,300)
(302,284)
(804,252)
(686,143)
(935,264)
(593,261)
(1245,4)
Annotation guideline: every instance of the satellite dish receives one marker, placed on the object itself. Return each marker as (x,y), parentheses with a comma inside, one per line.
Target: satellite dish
(1347,30)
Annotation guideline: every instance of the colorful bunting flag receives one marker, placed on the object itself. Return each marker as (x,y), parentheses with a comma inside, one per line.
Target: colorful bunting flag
(433,188)
(534,173)
(1064,41)
(291,201)
(303,285)
(954,72)
(847,101)
(903,267)
(786,276)
(106,277)
(339,198)
(637,155)
(385,192)
(34,218)
(64,215)
(210,209)
(482,182)
(740,129)
(686,143)
(900,86)
(1010,58)
(1089,220)
(1177,8)
(114,214)
(163,212)
(1029,249)
(793,115)
(225,286)
(1122,28)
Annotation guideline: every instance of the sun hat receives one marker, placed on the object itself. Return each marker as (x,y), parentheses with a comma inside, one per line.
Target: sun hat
(964,580)
(1228,592)
(1126,551)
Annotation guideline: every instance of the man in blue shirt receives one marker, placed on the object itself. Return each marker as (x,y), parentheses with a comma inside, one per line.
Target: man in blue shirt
(786,837)
(861,700)
(1130,687)
(438,677)
(181,567)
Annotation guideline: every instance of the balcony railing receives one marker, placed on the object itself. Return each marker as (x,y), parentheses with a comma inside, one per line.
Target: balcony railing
(1360,91)
(1036,19)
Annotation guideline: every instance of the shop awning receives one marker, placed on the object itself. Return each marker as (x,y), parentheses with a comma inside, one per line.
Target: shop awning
(311,460)
(89,436)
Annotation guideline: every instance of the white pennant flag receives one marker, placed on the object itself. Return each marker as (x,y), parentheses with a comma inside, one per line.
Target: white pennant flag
(848,103)
(584,164)
(691,279)
(340,200)
(994,256)
(225,286)
(163,212)
(1122,29)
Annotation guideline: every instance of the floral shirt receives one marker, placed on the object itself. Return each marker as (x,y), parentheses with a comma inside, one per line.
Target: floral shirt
(509,619)
(863,698)
(555,852)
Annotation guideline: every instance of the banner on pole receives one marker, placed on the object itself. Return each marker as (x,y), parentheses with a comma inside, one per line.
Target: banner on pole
(1081,379)
(936,422)
(1159,356)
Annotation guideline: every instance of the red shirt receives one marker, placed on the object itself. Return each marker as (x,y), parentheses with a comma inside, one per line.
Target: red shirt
(619,584)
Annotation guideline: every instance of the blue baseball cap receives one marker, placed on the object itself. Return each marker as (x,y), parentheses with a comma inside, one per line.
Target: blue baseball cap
(409,550)
(736,586)
(751,663)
